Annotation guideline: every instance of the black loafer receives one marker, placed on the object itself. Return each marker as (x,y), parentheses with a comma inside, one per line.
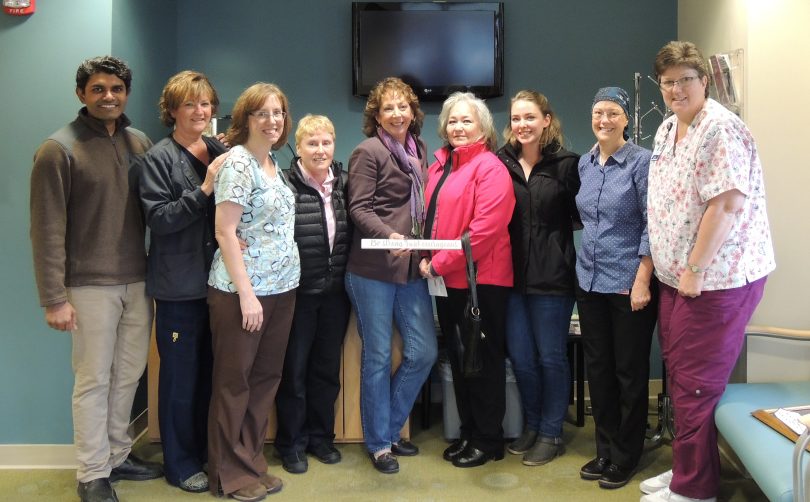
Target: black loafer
(404,448)
(295,463)
(615,476)
(385,463)
(473,457)
(593,470)
(135,469)
(454,449)
(325,453)
(97,490)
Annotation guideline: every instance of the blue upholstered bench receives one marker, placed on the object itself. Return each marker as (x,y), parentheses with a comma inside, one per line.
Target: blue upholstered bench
(765,453)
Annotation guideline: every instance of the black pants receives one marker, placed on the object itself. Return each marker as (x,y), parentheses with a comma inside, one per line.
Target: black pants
(481,400)
(310,383)
(616,343)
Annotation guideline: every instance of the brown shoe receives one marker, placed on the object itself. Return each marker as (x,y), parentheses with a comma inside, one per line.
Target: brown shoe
(252,493)
(273,484)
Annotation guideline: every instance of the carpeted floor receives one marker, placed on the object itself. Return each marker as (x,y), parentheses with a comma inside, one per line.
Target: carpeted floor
(425,477)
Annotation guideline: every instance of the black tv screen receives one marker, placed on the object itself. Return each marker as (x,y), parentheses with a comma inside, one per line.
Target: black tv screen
(437,48)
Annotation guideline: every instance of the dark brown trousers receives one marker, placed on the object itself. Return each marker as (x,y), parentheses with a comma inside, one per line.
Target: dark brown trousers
(247,371)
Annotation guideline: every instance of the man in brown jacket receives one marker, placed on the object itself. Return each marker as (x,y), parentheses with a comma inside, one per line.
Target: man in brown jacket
(88,245)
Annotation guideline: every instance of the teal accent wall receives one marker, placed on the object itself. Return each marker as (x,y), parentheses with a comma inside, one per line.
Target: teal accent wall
(143,35)
(38,56)
(565,50)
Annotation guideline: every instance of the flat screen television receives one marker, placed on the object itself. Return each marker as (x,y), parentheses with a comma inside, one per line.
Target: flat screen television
(436,47)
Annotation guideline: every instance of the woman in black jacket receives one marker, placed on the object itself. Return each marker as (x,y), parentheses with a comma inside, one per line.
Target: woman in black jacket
(176,185)
(545,179)
(310,382)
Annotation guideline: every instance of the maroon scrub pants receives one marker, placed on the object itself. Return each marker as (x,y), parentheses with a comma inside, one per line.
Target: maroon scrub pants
(701,339)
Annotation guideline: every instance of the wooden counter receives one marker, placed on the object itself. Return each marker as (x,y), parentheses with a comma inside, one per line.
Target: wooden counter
(348,426)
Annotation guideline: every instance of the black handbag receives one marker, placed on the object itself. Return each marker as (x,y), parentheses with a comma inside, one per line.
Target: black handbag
(468,328)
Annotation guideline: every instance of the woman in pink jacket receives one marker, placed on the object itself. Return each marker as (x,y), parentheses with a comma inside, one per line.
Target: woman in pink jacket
(469,190)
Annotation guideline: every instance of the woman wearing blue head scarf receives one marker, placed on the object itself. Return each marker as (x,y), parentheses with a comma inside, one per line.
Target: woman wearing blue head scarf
(616,294)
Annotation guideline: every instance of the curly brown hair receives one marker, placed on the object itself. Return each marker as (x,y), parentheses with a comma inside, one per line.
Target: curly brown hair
(395,87)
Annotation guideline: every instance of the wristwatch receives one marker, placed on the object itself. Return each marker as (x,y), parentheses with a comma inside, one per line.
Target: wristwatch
(695,269)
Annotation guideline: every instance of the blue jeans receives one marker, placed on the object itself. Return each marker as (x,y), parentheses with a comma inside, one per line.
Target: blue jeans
(536,340)
(385,399)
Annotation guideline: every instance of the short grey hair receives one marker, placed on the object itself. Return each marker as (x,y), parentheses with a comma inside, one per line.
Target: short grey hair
(481,110)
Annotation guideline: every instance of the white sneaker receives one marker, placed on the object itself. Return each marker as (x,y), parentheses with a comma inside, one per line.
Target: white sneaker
(656,483)
(667,495)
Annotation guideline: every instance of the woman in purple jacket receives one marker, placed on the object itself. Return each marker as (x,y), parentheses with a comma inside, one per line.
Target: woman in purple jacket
(386,179)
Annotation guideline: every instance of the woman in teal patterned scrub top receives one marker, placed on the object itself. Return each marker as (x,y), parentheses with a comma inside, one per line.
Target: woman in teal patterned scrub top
(251,295)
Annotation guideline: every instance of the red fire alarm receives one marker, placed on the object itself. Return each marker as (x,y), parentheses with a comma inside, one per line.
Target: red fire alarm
(19,7)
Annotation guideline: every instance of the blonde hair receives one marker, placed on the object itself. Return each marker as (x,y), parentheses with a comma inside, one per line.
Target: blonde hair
(551,134)
(481,111)
(395,87)
(310,124)
(251,100)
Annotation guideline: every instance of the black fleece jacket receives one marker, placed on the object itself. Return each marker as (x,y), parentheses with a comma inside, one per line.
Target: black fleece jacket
(544,220)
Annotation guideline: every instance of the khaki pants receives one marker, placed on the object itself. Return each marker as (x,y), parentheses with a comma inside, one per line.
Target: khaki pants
(110,348)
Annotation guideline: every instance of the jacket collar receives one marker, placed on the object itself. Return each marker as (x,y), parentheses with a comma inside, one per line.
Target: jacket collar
(510,155)
(98,126)
(297,175)
(461,154)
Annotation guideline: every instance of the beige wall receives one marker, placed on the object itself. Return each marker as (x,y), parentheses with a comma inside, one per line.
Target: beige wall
(776,44)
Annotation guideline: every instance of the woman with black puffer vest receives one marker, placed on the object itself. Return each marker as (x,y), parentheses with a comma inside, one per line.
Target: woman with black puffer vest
(310,382)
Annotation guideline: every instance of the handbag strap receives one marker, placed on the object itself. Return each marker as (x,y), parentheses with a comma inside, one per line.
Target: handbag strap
(467,247)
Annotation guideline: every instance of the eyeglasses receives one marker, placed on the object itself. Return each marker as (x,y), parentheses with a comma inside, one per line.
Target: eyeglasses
(265,115)
(682,82)
(610,115)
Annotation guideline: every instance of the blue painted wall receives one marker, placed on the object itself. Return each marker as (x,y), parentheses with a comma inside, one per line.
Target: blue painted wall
(567,50)
(564,49)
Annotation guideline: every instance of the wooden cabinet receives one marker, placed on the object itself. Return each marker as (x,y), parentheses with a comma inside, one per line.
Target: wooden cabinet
(348,426)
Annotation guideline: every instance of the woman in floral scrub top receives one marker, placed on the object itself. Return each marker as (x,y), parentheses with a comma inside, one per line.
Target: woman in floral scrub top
(712,250)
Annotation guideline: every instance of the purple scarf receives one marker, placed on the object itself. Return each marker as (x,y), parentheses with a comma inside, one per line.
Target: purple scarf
(406,157)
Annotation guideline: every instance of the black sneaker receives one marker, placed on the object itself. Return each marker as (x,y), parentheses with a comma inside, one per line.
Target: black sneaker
(295,463)
(615,476)
(593,470)
(325,453)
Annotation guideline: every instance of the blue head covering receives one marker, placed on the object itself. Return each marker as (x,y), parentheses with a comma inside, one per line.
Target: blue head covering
(618,96)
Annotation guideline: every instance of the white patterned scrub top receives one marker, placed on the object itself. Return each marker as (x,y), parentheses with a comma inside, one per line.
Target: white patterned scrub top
(717,154)
(267,225)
